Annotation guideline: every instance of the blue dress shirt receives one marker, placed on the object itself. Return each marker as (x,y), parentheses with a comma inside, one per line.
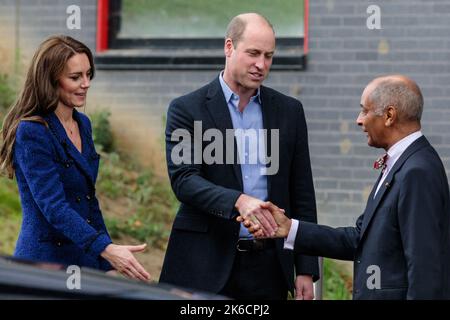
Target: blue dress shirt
(250,121)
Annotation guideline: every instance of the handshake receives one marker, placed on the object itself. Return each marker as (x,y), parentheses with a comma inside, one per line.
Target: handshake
(262,219)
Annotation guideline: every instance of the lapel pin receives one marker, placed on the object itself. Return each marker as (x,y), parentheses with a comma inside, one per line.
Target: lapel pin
(387,185)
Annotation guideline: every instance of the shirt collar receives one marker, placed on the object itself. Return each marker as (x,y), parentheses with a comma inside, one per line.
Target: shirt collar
(230,95)
(400,146)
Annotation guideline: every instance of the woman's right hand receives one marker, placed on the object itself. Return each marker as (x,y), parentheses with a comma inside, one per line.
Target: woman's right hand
(122,259)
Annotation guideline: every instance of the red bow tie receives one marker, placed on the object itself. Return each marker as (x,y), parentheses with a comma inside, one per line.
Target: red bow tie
(380,163)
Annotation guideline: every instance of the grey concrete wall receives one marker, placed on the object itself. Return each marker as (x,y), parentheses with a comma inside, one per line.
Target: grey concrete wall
(344,55)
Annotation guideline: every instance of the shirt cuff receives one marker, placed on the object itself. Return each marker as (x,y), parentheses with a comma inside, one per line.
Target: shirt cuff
(290,240)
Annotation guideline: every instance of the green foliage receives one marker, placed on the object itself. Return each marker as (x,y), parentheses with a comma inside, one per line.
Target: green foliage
(336,282)
(112,224)
(7,93)
(9,199)
(101,130)
(10,215)
(9,231)
(7,96)
(149,202)
(154,234)
(112,180)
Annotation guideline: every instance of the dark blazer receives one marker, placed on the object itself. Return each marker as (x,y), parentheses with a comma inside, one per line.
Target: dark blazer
(62,221)
(405,231)
(202,243)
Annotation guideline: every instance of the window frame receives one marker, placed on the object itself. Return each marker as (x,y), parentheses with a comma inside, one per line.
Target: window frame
(114,53)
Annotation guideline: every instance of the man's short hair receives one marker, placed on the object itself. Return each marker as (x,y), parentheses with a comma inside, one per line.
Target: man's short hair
(403,95)
(237,26)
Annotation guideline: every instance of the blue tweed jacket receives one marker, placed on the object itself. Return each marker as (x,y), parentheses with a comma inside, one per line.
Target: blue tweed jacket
(62,221)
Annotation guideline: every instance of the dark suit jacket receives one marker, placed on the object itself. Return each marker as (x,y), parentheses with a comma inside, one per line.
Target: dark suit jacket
(405,231)
(62,221)
(202,243)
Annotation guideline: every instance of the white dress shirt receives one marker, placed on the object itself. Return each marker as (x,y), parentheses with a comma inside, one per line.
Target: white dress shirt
(394,154)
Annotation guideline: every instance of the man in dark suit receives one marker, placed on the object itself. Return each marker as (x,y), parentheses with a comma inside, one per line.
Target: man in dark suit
(208,249)
(401,244)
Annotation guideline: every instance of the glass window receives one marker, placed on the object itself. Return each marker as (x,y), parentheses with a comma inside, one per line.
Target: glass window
(204,19)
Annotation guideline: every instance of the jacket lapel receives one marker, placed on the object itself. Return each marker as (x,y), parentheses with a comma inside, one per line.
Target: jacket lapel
(270,122)
(58,130)
(372,203)
(218,110)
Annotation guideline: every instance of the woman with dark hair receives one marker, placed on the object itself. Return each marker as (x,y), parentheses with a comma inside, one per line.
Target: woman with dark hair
(48,146)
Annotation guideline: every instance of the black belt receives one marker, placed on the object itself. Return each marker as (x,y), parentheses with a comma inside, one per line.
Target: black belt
(244,245)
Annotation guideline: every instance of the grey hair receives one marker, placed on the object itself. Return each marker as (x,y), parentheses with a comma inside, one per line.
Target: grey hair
(406,97)
(237,25)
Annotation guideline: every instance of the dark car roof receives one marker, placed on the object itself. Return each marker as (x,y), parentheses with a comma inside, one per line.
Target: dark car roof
(33,280)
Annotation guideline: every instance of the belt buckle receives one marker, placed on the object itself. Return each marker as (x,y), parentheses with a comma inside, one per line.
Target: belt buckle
(239,248)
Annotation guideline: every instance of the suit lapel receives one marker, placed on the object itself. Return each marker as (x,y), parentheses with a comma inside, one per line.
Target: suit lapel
(58,130)
(218,110)
(372,203)
(270,122)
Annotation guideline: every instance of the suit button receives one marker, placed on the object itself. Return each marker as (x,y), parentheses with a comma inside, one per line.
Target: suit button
(359,261)
(78,199)
(88,197)
(88,221)
(58,244)
(67,165)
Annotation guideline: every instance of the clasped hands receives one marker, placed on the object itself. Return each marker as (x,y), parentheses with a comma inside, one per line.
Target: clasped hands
(262,219)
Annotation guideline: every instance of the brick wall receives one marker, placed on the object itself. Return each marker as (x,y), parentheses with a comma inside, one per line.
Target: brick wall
(38,19)
(344,56)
